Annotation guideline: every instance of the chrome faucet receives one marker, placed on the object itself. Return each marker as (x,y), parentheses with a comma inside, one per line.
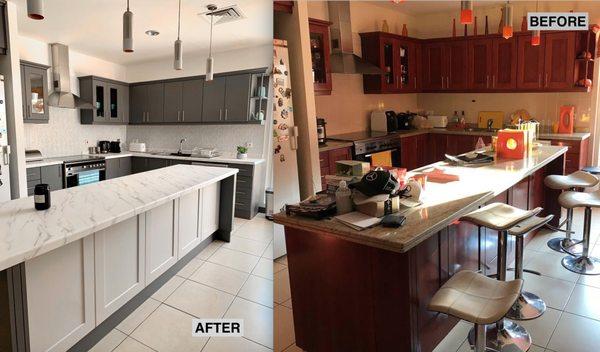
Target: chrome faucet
(180,151)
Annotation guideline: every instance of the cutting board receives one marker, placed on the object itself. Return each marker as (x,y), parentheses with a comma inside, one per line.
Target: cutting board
(496,116)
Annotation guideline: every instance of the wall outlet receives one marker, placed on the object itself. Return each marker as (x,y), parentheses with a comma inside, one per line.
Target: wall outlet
(248,144)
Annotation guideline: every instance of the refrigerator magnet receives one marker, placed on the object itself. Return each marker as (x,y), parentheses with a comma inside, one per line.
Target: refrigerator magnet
(278,149)
(283,138)
(282,158)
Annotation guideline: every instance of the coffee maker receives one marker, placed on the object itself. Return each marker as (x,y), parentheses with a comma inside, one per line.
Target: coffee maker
(321,132)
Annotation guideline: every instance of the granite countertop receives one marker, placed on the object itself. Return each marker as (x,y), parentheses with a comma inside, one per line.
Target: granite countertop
(219,159)
(333,144)
(442,203)
(80,211)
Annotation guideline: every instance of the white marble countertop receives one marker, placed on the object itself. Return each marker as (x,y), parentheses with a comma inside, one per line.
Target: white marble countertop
(80,211)
(442,202)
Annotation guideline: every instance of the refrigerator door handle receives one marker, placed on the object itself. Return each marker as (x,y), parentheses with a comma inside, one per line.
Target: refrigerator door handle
(294,138)
(6,154)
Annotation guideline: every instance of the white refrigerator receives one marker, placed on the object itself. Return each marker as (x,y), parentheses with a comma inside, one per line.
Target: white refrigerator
(286,188)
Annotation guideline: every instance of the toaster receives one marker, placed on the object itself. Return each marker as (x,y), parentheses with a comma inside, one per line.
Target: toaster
(383,121)
(438,121)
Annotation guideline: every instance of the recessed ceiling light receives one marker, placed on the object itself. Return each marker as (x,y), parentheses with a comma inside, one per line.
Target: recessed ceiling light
(152,32)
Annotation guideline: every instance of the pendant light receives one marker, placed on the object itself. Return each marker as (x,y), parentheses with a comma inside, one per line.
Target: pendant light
(209,60)
(35,9)
(178,63)
(466,12)
(536,37)
(507,30)
(128,30)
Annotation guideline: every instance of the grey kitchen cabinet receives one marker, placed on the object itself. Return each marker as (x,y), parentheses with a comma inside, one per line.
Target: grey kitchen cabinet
(138,164)
(118,167)
(237,97)
(3,29)
(34,84)
(147,103)
(110,100)
(51,175)
(183,101)
(214,100)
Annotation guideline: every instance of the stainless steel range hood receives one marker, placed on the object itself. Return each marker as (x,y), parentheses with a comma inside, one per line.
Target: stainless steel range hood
(343,59)
(61,81)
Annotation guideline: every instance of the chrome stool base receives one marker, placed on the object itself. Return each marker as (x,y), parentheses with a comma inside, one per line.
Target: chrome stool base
(582,265)
(574,246)
(512,338)
(528,306)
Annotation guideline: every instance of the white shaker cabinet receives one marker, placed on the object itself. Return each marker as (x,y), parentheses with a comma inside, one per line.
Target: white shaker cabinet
(161,240)
(60,296)
(119,263)
(211,195)
(190,220)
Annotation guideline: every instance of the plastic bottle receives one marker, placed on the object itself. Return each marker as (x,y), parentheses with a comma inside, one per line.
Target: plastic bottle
(343,198)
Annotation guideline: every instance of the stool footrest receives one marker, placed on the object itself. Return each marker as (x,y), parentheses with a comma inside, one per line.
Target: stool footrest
(527,271)
(558,229)
(568,249)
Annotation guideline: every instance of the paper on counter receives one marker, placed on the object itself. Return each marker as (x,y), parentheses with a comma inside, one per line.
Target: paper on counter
(357,220)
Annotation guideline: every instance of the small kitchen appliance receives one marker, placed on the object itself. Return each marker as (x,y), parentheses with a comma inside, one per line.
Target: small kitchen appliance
(438,121)
(565,120)
(405,120)
(115,146)
(321,131)
(384,121)
(104,146)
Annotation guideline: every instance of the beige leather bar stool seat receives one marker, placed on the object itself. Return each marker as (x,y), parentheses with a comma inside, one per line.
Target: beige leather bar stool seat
(572,182)
(477,299)
(529,305)
(506,335)
(582,263)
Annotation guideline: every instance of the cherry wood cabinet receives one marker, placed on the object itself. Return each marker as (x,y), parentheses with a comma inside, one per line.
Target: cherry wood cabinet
(484,63)
(328,158)
(414,151)
(397,56)
(320,53)
(577,154)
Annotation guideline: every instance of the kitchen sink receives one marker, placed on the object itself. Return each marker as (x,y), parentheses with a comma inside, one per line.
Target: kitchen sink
(477,129)
(181,154)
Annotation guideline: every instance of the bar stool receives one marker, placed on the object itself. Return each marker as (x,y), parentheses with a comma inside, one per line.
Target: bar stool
(572,182)
(505,335)
(582,263)
(477,299)
(528,306)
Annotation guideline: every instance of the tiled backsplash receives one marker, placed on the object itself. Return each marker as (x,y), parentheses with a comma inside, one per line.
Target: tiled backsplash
(65,135)
(224,138)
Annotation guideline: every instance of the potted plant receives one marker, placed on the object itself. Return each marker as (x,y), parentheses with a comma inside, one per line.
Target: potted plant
(242,152)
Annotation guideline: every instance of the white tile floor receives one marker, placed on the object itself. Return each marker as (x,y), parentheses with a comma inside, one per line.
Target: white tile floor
(225,280)
(570,324)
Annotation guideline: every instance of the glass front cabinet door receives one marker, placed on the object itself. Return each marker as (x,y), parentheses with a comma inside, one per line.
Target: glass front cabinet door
(35,92)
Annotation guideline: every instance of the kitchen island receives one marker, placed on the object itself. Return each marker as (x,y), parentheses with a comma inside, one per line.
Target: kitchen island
(369,290)
(71,273)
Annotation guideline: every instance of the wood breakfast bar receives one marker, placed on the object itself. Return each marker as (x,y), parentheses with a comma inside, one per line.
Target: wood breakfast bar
(369,290)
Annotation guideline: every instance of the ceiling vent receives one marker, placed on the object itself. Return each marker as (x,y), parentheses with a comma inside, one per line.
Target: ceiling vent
(224,15)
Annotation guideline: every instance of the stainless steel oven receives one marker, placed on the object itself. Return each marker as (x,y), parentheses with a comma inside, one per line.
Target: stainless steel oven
(79,171)
(377,148)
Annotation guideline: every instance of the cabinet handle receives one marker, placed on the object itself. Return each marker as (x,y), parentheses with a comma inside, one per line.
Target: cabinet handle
(493,81)
(539,80)
(415,82)
(487,81)
(183,116)
(546,81)
(220,111)
(225,114)
(442,82)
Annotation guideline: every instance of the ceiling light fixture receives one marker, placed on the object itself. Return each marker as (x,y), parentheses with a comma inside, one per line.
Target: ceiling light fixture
(209,60)
(178,63)
(466,12)
(536,37)
(128,30)
(507,29)
(35,9)
(152,32)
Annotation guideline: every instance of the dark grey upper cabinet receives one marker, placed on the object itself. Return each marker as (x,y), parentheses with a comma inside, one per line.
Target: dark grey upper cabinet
(156,93)
(34,83)
(147,103)
(237,97)
(192,100)
(109,98)
(138,96)
(3,29)
(172,110)
(214,100)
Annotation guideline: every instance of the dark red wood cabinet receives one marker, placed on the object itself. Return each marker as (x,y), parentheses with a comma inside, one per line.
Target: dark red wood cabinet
(328,158)
(397,56)
(576,157)
(484,63)
(320,53)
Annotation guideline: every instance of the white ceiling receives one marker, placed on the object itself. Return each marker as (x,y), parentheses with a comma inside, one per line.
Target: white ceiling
(94,27)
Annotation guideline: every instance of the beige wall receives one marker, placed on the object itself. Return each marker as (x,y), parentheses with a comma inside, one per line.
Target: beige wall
(347,109)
